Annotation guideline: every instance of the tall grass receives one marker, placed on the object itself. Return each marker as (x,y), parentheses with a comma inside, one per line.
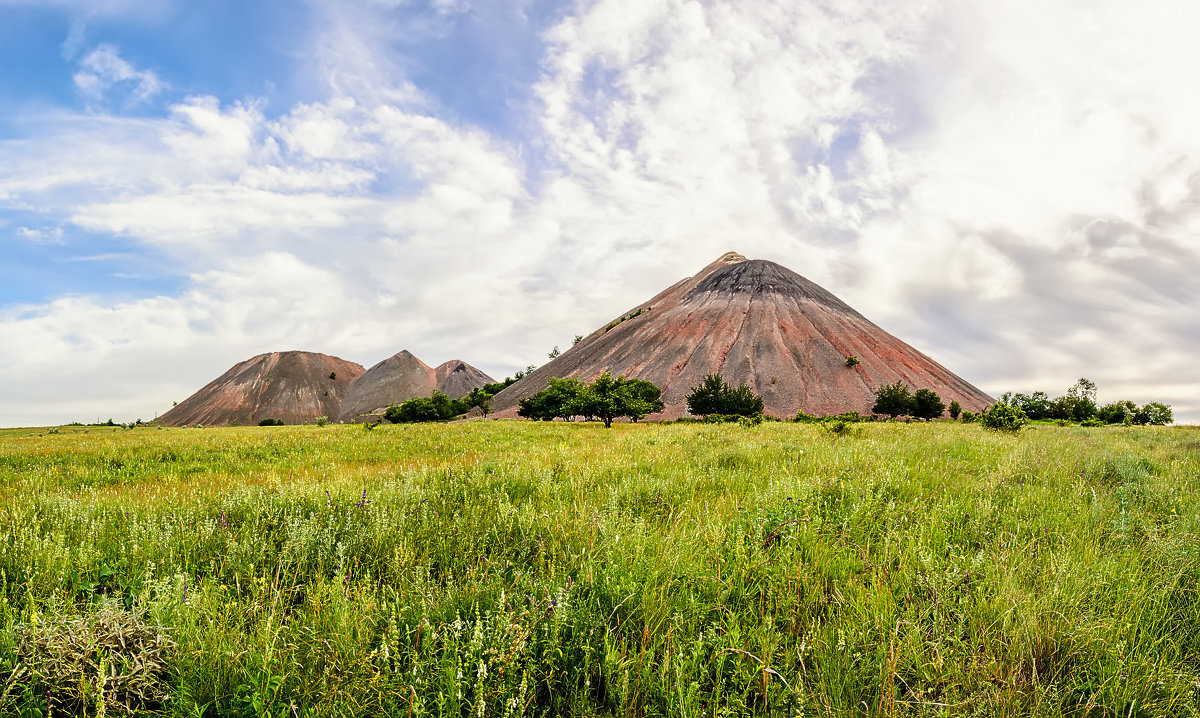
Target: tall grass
(512,568)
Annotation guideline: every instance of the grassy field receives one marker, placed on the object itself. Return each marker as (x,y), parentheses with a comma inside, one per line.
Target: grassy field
(514,568)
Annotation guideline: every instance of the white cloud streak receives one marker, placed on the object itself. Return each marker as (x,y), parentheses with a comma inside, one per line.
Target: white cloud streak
(1017,199)
(103,69)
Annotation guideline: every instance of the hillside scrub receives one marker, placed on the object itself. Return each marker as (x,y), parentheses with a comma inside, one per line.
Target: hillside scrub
(504,568)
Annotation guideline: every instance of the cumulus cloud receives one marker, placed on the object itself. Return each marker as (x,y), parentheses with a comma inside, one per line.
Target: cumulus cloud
(1017,199)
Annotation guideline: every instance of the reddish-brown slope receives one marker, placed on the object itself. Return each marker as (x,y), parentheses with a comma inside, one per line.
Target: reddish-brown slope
(294,387)
(757,323)
(402,377)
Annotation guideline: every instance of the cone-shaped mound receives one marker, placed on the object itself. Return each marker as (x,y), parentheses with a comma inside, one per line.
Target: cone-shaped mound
(294,387)
(758,323)
(402,377)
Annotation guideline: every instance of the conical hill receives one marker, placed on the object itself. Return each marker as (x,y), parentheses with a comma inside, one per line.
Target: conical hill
(753,322)
(402,377)
(294,387)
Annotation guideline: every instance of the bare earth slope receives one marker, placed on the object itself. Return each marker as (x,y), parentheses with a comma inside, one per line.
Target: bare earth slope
(758,323)
(402,377)
(294,387)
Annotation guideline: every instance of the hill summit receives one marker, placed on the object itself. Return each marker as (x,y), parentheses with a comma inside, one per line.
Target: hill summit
(402,377)
(295,387)
(758,323)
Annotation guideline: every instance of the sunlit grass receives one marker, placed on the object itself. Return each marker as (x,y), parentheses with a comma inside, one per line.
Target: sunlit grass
(519,568)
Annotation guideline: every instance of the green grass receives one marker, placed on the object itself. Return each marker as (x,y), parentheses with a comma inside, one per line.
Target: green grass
(519,568)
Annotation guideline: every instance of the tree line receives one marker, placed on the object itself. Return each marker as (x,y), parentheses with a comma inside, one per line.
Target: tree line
(608,398)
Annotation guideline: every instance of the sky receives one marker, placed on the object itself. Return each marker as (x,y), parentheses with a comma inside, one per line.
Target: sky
(1012,188)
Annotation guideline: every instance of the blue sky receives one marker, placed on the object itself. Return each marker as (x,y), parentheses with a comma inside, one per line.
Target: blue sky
(1014,189)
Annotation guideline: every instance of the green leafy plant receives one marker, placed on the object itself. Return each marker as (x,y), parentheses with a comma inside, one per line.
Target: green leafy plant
(1003,417)
(714,396)
(893,400)
(927,405)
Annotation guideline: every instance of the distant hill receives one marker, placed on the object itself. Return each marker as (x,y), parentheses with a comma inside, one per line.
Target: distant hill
(754,322)
(402,377)
(295,387)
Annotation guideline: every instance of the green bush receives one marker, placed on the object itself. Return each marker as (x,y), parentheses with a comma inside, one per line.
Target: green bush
(955,409)
(1154,413)
(927,405)
(751,420)
(714,396)
(894,400)
(607,398)
(1003,417)
(438,407)
(271,422)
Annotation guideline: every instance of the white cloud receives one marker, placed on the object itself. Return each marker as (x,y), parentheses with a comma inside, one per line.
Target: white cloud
(103,68)
(41,236)
(1019,200)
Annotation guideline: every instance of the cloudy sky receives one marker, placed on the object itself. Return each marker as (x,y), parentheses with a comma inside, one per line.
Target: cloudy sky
(1013,188)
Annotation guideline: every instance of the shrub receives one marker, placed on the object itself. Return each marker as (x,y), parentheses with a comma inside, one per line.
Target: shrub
(840,427)
(893,400)
(1117,411)
(606,398)
(714,396)
(271,422)
(969,417)
(1093,422)
(955,409)
(438,407)
(322,421)
(1154,413)
(927,405)
(852,361)
(1003,417)
(752,420)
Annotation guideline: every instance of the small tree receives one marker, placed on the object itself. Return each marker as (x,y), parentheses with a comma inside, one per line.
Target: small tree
(1003,417)
(1117,411)
(606,398)
(562,399)
(927,405)
(852,361)
(1154,413)
(714,396)
(705,398)
(893,400)
(955,409)
(554,352)
(481,399)
(333,375)
(643,398)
